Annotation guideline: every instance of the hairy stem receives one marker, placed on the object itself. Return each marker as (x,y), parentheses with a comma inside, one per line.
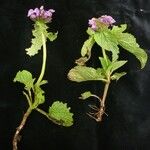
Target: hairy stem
(17,137)
(44,60)
(104,55)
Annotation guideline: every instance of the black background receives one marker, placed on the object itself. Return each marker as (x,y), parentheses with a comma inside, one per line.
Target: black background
(128,104)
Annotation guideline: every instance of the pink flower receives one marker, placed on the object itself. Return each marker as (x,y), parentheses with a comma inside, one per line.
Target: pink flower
(41,14)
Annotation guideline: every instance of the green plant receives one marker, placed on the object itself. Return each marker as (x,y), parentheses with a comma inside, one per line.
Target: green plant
(110,38)
(58,113)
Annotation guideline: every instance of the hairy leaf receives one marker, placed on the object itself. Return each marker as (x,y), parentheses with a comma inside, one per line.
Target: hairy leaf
(128,42)
(108,42)
(61,113)
(25,77)
(117,76)
(85,95)
(83,73)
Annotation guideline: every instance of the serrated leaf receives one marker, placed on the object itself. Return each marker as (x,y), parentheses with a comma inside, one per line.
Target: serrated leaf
(116,65)
(25,77)
(87,46)
(117,76)
(39,97)
(85,95)
(36,42)
(83,73)
(108,42)
(128,42)
(61,113)
(52,36)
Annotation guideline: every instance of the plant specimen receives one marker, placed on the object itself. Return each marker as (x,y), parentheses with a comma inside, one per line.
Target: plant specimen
(58,113)
(112,40)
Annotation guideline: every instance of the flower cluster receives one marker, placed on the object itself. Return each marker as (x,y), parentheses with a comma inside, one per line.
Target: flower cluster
(107,20)
(41,14)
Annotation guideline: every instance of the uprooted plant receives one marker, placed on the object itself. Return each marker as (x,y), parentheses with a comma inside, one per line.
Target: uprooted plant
(110,38)
(58,113)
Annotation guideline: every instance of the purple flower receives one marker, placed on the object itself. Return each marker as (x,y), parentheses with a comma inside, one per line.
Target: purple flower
(96,23)
(41,14)
(106,20)
(92,23)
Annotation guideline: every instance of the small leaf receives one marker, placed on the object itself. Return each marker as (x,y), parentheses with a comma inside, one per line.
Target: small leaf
(39,97)
(52,36)
(108,42)
(90,31)
(43,82)
(61,113)
(117,29)
(25,77)
(104,63)
(87,46)
(117,76)
(85,95)
(81,61)
(83,73)
(116,65)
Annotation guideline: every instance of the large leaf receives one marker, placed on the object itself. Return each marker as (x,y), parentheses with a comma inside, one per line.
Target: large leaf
(83,73)
(87,46)
(61,113)
(128,42)
(25,77)
(107,41)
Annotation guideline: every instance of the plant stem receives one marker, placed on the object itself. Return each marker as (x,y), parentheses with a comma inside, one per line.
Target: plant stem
(44,60)
(104,55)
(17,137)
(50,118)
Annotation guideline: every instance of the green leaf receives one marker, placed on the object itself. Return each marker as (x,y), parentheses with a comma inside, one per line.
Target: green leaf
(36,42)
(116,65)
(105,63)
(83,73)
(39,97)
(107,41)
(86,95)
(90,31)
(117,76)
(25,77)
(61,113)
(81,61)
(52,36)
(120,29)
(128,42)
(43,82)
(87,46)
